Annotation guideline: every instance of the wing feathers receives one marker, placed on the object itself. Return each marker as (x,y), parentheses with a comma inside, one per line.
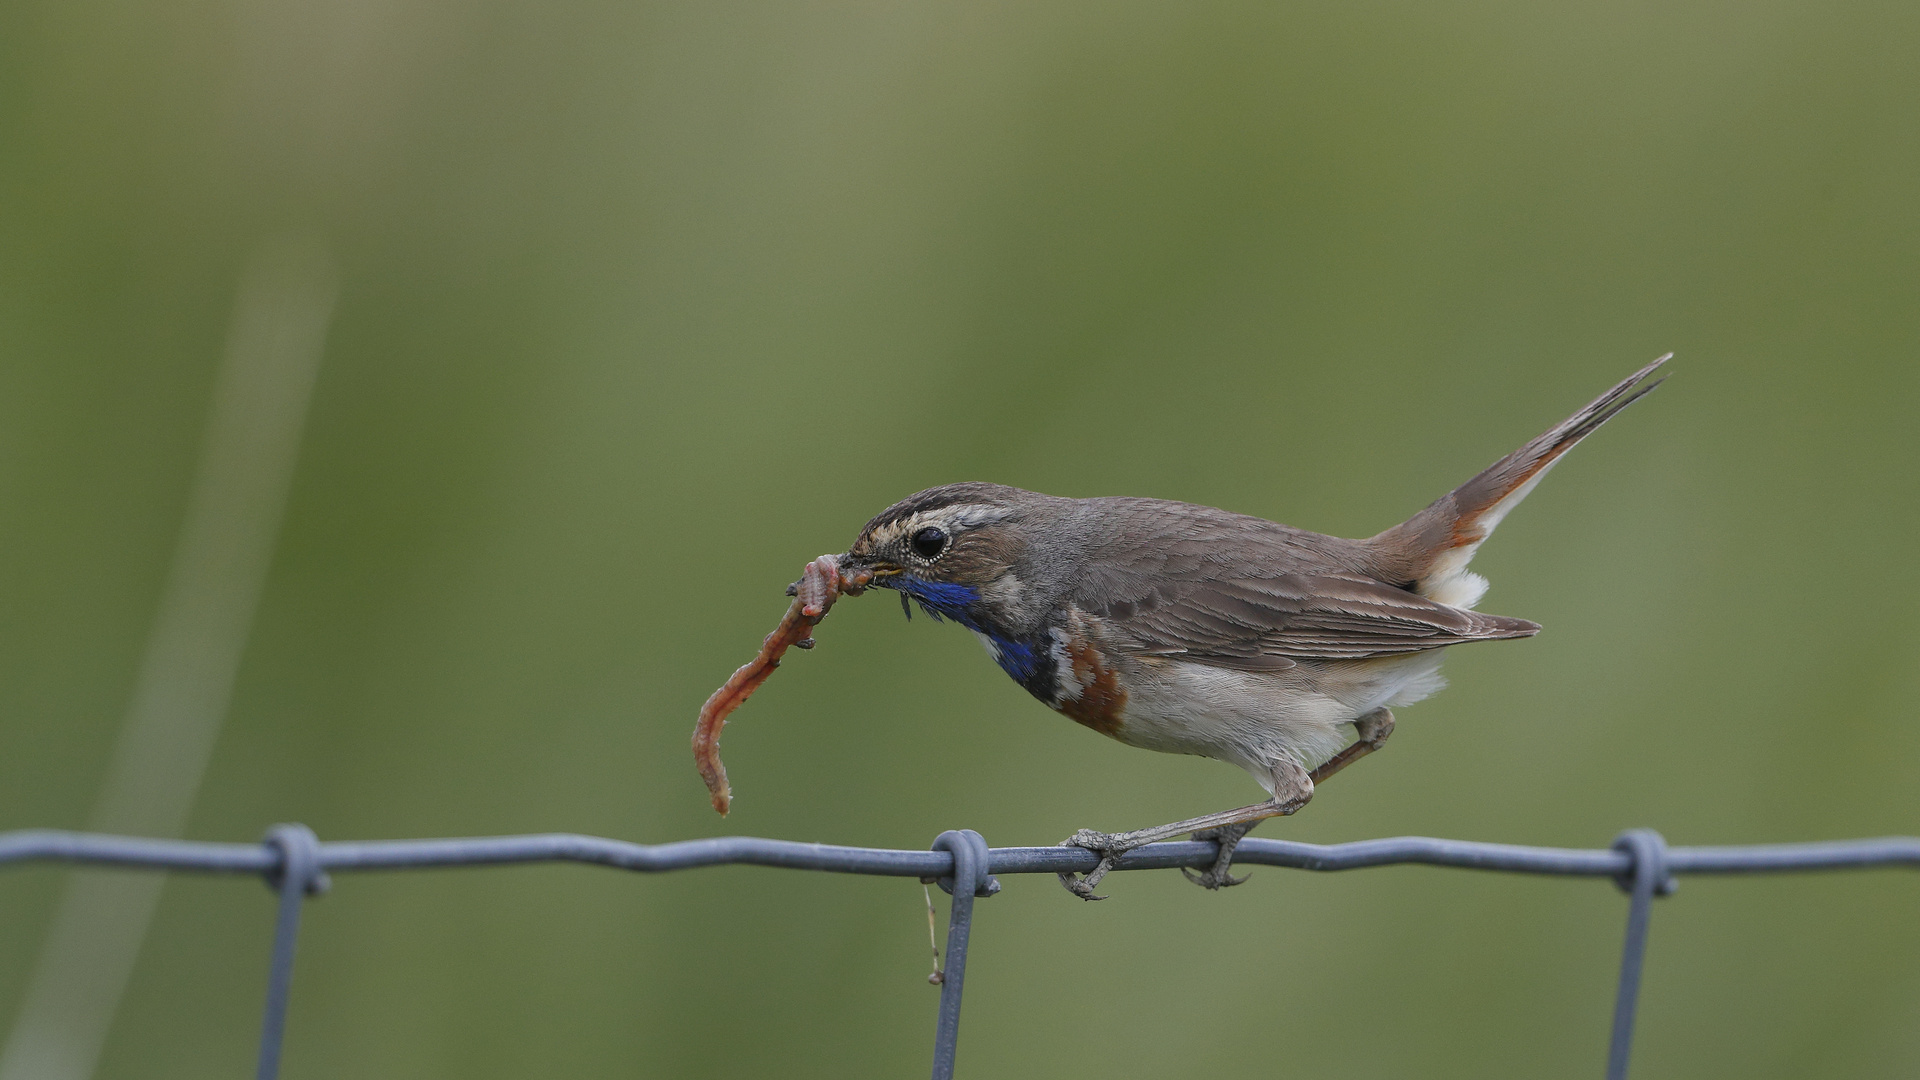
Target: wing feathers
(1267,623)
(1173,579)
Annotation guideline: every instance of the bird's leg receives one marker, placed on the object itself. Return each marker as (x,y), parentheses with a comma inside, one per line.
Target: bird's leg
(1291,782)
(1372,729)
(1291,792)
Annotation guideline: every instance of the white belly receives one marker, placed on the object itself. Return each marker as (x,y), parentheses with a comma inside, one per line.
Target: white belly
(1258,719)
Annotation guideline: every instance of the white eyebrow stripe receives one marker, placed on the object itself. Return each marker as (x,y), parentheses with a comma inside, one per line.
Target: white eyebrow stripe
(953,518)
(971,515)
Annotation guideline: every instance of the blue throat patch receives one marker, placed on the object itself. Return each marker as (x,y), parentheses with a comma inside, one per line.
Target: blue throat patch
(939,599)
(1028,661)
(1019,659)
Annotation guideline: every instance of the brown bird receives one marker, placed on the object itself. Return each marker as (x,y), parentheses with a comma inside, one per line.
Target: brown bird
(1192,630)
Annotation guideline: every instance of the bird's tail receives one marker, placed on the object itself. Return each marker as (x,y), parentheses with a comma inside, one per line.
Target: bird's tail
(1430,551)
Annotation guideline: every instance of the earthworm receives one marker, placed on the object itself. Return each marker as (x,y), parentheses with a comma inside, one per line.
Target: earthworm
(813,595)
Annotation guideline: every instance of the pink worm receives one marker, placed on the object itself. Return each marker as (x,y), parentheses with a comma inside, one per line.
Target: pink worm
(813,595)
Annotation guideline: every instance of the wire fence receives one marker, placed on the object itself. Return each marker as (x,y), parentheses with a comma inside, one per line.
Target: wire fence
(296,865)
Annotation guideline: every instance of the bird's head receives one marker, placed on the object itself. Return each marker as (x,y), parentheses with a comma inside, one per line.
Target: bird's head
(957,551)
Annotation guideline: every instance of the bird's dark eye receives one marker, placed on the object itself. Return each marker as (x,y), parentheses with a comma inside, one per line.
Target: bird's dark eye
(930,542)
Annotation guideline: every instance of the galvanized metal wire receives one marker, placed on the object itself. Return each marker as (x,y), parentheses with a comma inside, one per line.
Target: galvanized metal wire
(297,864)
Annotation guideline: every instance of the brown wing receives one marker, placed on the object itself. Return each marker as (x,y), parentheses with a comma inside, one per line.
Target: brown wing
(1267,623)
(1240,592)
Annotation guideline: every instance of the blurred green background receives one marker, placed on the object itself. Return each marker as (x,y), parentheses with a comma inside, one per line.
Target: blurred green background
(642,305)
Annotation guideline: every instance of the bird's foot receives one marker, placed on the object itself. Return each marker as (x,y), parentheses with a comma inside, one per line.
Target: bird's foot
(1227,827)
(1216,877)
(1109,846)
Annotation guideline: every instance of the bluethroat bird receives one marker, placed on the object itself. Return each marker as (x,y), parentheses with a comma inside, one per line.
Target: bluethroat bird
(1192,630)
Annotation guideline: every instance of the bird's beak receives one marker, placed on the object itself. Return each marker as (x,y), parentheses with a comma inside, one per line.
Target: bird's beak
(861,571)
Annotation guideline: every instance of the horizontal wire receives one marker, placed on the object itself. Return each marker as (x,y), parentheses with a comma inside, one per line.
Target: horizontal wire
(53,845)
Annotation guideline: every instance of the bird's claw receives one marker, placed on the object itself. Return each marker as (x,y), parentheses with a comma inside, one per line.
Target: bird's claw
(1217,876)
(1106,845)
(1213,878)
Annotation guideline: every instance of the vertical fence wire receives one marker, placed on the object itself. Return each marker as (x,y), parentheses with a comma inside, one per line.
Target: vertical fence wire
(970,880)
(297,876)
(1646,878)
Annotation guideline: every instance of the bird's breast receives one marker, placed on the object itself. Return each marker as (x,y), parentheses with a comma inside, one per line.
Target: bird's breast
(1066,668)
(1089,689)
